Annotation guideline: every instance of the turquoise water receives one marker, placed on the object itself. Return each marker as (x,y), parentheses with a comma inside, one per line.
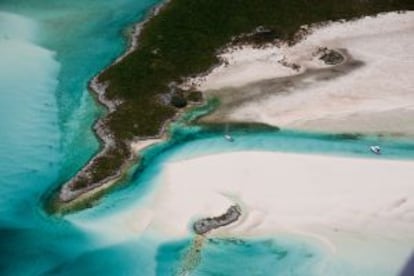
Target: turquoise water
(48,52)
(259,257)
(226,257)
(191,142)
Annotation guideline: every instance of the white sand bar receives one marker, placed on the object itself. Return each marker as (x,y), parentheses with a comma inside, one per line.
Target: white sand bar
(377,97)
(345,203)
(290,191)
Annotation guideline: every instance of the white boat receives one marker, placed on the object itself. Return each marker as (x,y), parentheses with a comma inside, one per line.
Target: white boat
(375,149)
(228,137)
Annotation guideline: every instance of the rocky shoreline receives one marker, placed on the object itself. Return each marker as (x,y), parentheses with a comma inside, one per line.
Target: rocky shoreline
(68,194)
(206,225)
(130,119)
(107,141)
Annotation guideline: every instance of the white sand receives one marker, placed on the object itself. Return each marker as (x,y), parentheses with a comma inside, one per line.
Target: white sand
(140,145)
(245,65)
(357,101)
(341,203)
(360,209)
(290,191)
(344,203)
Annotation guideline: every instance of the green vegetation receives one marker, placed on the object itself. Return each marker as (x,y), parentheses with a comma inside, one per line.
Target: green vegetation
(195,96)
(182,41)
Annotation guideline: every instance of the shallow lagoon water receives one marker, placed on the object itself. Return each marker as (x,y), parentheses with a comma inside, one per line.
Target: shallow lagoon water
(259,257)
(255,255)
(191,142)
(48,51)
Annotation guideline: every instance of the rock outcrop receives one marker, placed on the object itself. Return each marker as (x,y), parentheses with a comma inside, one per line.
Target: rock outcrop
(205,225)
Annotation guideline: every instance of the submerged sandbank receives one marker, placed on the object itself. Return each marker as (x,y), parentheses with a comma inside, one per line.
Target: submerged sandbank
(291,87)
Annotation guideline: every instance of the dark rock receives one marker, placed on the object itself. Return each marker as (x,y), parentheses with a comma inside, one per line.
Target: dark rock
(332,57)
(205,225)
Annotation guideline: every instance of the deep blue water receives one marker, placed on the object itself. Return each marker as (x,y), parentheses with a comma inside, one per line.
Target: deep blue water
(49,50)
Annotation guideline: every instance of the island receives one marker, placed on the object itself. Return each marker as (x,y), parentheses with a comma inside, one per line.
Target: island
(205,225)
(144,89)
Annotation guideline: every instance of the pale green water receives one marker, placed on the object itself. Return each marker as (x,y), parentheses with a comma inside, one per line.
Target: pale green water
(48,52)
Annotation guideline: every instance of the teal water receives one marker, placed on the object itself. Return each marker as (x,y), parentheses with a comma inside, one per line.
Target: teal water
(226,257)
(190,142)
(259,257)
(48,52)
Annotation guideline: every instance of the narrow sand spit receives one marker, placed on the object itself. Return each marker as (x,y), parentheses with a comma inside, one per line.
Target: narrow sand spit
(140,145)
(372,92)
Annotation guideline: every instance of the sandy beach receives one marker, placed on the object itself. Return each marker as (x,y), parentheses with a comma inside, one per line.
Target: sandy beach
(373,94)
(140,145)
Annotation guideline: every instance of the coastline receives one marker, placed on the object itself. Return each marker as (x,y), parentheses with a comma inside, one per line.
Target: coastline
(368,92)
(298,202)
(69,198)
(68,194)
(98,88)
